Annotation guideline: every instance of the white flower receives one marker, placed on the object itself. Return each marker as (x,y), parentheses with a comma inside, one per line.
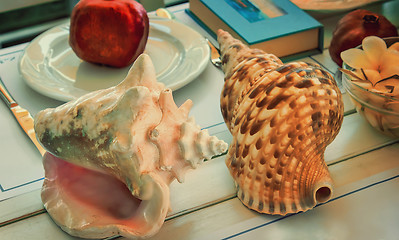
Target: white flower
(375,62)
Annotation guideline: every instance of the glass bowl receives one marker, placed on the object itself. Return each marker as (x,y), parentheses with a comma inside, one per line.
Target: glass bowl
(379,110)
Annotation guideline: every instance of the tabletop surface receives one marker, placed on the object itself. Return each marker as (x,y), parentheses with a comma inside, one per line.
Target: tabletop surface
(364,165)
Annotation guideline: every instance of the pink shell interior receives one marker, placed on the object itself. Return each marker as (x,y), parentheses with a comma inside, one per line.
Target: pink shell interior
(101,193)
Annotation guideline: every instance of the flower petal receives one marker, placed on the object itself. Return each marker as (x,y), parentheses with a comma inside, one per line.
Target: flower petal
(372,75)
(356,58)
(394,47)
(374,47)
(390,64)
(364,84)
(388,87)
(390,71)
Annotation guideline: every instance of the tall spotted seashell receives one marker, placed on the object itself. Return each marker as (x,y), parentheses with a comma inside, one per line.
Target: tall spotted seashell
(282,117)
(114,153)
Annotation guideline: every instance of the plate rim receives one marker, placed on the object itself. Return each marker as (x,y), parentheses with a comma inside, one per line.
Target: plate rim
(327,8)
(56,94)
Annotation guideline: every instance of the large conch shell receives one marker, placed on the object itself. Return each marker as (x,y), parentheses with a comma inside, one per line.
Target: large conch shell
(114,153)
(282,117)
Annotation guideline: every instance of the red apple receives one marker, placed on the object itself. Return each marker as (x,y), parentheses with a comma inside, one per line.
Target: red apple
(109,32)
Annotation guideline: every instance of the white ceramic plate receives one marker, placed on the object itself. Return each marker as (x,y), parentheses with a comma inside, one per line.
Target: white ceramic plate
(50,66)
(331,5)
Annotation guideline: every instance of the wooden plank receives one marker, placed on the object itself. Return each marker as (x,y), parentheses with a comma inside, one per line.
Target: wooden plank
(211,183)
(20,207)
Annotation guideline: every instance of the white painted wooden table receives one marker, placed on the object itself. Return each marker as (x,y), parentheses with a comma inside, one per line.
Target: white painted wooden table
(364,165)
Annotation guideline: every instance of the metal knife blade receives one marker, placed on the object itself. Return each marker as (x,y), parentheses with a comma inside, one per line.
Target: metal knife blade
(215,55)
(22,115)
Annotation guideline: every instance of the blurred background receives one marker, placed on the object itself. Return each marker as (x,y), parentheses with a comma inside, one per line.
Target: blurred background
(22,20)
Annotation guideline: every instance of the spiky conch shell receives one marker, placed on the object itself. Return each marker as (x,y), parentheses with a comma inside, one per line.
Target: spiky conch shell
(132,134)
(282,117)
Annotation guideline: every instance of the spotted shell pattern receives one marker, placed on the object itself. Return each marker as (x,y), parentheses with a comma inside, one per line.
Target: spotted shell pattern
(282,117)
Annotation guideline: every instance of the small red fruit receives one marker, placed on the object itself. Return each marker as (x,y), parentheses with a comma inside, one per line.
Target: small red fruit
(109,32)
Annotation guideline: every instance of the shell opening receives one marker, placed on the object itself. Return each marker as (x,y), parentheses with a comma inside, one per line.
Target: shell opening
(323,194)
(93,189)
(99,199)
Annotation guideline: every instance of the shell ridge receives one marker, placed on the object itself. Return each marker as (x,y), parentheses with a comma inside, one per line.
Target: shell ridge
(142,73)
(171,119)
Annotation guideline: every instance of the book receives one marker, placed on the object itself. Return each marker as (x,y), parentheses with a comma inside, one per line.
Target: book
(277,27)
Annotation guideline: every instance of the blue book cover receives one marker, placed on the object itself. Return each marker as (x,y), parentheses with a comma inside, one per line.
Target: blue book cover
(259,21)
